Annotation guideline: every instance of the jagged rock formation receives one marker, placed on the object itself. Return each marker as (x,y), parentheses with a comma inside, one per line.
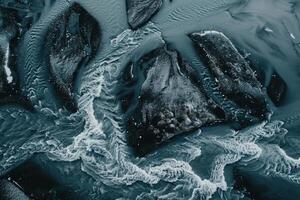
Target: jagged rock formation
(169,103)
(233,75)
(140,11)
(72,41)
(276,89)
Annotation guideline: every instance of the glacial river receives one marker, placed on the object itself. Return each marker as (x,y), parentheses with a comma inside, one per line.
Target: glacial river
(87,151)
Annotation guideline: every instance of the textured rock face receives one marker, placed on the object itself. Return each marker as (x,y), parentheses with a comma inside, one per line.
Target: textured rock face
(232,74)
(72,41)
(276,89)
(169,104)
(140,11)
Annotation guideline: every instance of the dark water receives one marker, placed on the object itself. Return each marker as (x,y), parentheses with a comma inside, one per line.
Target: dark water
(86,152)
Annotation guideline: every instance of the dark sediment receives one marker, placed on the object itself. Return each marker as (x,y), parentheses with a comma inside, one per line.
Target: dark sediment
(169,103)
(72,41)
(163,96)
(10,191)
(24,6)
(233,75)
(276,89)
(140,12)
(14,24)
(257,186)
(34,182)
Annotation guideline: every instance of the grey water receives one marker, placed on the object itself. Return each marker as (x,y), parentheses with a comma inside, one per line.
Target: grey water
(86,153)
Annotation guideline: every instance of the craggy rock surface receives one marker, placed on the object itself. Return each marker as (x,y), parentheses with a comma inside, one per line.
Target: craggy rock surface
(72,41)
(140,11)
(276,89)
(233,75)
(169,103)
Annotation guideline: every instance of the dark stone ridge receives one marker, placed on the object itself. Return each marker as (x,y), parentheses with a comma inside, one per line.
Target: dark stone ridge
(169,103)
(72,41)
(10,191)
(12,27)
(276,89)
(36,183)
(232,74)
(140,12)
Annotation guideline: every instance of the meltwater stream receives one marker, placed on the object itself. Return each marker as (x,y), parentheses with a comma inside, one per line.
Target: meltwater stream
(87,152)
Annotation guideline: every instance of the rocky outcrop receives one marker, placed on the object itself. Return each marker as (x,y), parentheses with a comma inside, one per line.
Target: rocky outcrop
(72,41)
(232,74)
(140,11)
(167,96)
(169,102)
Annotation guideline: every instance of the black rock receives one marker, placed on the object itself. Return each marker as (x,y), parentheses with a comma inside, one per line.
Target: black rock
(10,191)
(72,41)
(8,32)
(169,103)
(232,73)
(37,183)
(276,89)
(11,31)
(140,11)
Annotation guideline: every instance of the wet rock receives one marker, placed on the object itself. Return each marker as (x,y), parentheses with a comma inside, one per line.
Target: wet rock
(72,41)
(276,89)
(36,183)
(27,12)
(232,73)
(10,191)
(169,103)
(140,11)
(11,30)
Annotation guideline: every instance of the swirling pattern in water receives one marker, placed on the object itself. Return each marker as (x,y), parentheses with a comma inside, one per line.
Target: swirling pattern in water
(194,166)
